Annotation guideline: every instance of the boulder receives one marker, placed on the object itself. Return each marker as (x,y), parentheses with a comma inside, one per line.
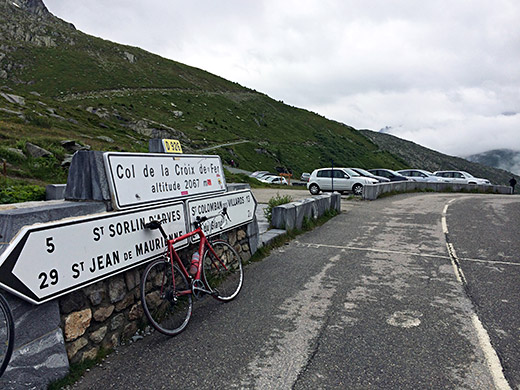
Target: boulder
(15,99)
(35,151)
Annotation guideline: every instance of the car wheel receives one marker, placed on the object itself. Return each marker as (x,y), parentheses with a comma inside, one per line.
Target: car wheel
(314,189)
(357,189)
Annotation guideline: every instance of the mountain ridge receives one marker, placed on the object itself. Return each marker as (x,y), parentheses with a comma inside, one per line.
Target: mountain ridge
(506,159)
(418,156)
(60,87)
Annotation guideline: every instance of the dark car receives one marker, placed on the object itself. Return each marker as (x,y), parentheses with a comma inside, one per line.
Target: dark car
(389,174)
(365,173)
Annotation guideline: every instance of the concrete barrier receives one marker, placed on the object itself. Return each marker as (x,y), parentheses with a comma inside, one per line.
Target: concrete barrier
(291,215)
(373,191)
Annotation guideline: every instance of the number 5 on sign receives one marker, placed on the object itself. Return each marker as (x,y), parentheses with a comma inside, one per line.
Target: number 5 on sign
(172,146)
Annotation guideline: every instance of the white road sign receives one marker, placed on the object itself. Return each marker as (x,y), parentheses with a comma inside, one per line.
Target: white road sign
(139,179)
(48,260)
(240,207)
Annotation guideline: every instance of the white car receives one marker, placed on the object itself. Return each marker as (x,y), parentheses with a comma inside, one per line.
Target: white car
(460,177)
(258,173)
(420,175)
(342,179)
(274,180)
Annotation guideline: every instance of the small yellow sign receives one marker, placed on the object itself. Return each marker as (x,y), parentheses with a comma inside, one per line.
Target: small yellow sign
(172,146)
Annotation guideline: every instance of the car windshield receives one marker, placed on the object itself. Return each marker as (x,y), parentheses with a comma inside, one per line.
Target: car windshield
(351,172)
(363,172)
(467,174)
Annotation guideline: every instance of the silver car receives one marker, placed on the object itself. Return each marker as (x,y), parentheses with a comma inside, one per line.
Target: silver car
(364,172)
(339,179)
(460,177)
(420,175)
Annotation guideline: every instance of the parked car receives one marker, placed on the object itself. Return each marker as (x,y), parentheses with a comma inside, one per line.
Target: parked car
(419,175)
(341,178)
(264,175)
(256,173)
(365,173)
(461,177)
(274,180)
(305,176)
(389,174)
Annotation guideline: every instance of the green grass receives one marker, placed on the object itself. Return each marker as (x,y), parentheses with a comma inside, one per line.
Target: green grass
(273,202)
(12,191)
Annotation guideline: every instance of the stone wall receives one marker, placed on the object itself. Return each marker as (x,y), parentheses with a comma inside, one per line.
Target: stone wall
(109,312)
(372,191)
(291,215)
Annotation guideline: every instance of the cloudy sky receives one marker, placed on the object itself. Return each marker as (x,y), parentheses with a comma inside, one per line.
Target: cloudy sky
(442,73)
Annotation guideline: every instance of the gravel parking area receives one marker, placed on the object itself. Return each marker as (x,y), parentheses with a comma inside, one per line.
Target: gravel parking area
(263,195)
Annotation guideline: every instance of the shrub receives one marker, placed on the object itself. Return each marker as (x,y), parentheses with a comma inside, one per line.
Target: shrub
(275,201)
(17,193)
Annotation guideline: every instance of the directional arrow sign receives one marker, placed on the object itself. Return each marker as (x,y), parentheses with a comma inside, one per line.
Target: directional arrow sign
(48,260)
(140,179)
(240,207)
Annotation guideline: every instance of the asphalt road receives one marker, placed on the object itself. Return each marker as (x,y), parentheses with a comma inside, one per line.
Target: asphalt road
(370,300)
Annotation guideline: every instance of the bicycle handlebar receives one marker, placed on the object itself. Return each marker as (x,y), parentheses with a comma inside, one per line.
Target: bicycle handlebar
(199,220)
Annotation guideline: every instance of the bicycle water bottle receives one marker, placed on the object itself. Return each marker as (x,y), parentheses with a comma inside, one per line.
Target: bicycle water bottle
(195,259)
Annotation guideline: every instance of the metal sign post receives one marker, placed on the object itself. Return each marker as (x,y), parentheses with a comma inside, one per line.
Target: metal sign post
(332,175)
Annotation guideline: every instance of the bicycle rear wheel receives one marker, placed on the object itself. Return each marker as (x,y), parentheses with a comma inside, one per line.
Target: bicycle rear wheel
(223,275)
(6,334)
(167,305)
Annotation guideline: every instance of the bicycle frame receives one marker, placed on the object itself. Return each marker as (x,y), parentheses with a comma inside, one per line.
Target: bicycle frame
(168,307)
(173,255)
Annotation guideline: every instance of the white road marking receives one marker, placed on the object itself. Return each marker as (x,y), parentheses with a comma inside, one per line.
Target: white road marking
(493,362)
(443,219)
(345,247)
(495,367)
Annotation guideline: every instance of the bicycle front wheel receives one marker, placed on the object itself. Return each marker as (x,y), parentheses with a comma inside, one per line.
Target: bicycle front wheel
(167,302)
(223,273)
(6,334)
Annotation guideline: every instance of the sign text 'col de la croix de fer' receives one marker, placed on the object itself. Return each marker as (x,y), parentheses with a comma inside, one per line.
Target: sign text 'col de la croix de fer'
(137,180)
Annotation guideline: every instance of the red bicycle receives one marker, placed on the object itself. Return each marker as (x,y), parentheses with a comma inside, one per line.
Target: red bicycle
(167,287)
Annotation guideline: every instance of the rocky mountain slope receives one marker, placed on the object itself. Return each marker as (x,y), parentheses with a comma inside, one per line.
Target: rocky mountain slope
(62,90)
(499,158)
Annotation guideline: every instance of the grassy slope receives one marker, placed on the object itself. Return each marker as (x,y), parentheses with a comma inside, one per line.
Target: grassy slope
(95,74)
